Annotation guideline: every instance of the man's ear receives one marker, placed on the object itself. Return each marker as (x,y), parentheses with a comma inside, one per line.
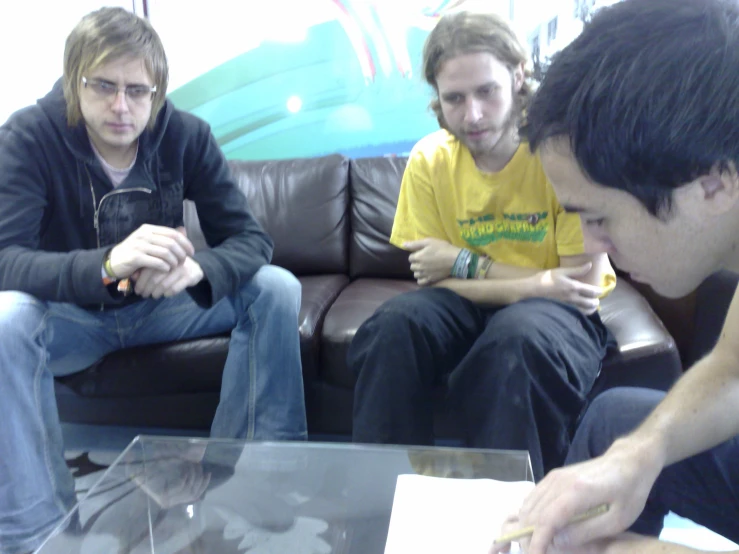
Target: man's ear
(713,194)
(721,188)
(518,77)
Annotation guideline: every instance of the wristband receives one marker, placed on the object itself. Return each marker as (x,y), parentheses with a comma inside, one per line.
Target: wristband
(484,265)
(472,270)
(108,267)
(462,264)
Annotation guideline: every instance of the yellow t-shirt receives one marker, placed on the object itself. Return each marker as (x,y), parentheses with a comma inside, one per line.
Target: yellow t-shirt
(512,216)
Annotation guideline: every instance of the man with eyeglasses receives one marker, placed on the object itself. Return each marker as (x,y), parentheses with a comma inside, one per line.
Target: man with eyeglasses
(94,258)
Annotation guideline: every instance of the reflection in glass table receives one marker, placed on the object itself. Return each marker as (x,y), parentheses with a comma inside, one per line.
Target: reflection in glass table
(191,496)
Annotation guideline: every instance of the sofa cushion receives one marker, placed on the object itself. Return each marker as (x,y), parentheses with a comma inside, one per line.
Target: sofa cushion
(355,304)
(195,366)
(375,184)
(302,204)
(646,355)
(319,293)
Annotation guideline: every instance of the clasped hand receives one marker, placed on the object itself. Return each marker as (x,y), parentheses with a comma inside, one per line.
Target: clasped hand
(159,261)
(431,260)
(562,284)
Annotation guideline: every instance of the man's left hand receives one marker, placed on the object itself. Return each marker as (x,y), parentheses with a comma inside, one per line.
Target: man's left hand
(432,260)
(151,283)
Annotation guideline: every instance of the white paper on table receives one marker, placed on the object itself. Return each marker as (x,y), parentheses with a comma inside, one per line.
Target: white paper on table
(437,515)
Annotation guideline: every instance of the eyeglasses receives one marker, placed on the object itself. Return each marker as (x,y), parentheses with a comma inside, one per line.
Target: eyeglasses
(106,89)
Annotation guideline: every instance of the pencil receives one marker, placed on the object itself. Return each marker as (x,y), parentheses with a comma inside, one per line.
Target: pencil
(528,531)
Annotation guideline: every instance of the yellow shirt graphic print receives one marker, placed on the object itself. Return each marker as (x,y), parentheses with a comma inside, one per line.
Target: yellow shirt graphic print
(521,227)
(512,216)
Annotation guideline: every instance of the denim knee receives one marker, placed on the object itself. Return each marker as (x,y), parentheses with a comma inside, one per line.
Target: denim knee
(276,287)
(613,414)
(20,315)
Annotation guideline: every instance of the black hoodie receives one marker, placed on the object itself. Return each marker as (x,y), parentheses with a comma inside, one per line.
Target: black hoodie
(59,212)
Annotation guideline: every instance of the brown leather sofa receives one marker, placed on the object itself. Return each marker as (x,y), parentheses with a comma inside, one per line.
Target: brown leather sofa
(330,219)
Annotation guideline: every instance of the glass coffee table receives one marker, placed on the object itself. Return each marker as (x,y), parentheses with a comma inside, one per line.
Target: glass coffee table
(191,496)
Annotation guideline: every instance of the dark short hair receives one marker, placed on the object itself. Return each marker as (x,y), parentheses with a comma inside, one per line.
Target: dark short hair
(648,96)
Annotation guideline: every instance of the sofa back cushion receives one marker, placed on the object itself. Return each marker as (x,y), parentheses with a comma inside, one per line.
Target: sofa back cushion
(375,185)
(303,205)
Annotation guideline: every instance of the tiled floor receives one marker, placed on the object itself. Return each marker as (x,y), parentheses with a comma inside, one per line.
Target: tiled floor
(86,438)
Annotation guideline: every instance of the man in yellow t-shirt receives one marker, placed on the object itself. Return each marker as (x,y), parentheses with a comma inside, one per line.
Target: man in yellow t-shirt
(507,312)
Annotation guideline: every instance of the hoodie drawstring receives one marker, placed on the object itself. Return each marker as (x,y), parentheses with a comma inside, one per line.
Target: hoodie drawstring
(158,183)
(82,189)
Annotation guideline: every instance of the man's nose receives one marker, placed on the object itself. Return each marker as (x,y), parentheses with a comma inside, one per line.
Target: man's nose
(120,101)
(473,111)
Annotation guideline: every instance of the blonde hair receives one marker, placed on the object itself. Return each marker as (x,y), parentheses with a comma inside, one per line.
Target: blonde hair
(106,35)
(465,32)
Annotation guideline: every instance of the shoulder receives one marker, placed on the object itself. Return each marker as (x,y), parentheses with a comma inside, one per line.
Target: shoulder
(436,149)
(527,165)
(27,131)
(27,121)
(187,127)
(526,158)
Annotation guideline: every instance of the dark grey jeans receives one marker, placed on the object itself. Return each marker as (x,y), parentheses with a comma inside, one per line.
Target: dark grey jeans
(518,376)
(704,488)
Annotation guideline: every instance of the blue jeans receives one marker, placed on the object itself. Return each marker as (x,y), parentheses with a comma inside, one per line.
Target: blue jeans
(261,395)
(703,488)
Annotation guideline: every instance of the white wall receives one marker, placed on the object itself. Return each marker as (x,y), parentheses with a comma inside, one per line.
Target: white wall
(32,35)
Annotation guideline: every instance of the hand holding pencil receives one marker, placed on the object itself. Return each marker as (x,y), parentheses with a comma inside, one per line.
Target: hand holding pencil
(566,510)
(507,538)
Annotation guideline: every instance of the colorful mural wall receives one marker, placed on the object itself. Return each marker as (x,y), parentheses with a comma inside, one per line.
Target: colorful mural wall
(347,81)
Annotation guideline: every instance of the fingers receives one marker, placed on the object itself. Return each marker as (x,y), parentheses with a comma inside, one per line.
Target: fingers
(146,261)
(148,281)
(588,291)
(586,532)
(545,509)
(151,246)
(175,250)
(421,278)
(510,525)
(178,235)
(173,240)
(577,271)
(159,249)
(587,306)
(551,506)
(172,285)
(415,245)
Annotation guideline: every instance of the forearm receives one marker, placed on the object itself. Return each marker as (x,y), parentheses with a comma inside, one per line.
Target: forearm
(71,277)
(601,267)
(700,412)
(629,543)
(230,264)
(494,292)
(498,270)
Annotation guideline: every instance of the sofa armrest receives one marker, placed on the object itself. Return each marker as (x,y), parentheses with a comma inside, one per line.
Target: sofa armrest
(647,355)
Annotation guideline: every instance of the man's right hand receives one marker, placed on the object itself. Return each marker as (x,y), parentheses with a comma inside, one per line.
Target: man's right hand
(621,478)
(561,284)
(150,246)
